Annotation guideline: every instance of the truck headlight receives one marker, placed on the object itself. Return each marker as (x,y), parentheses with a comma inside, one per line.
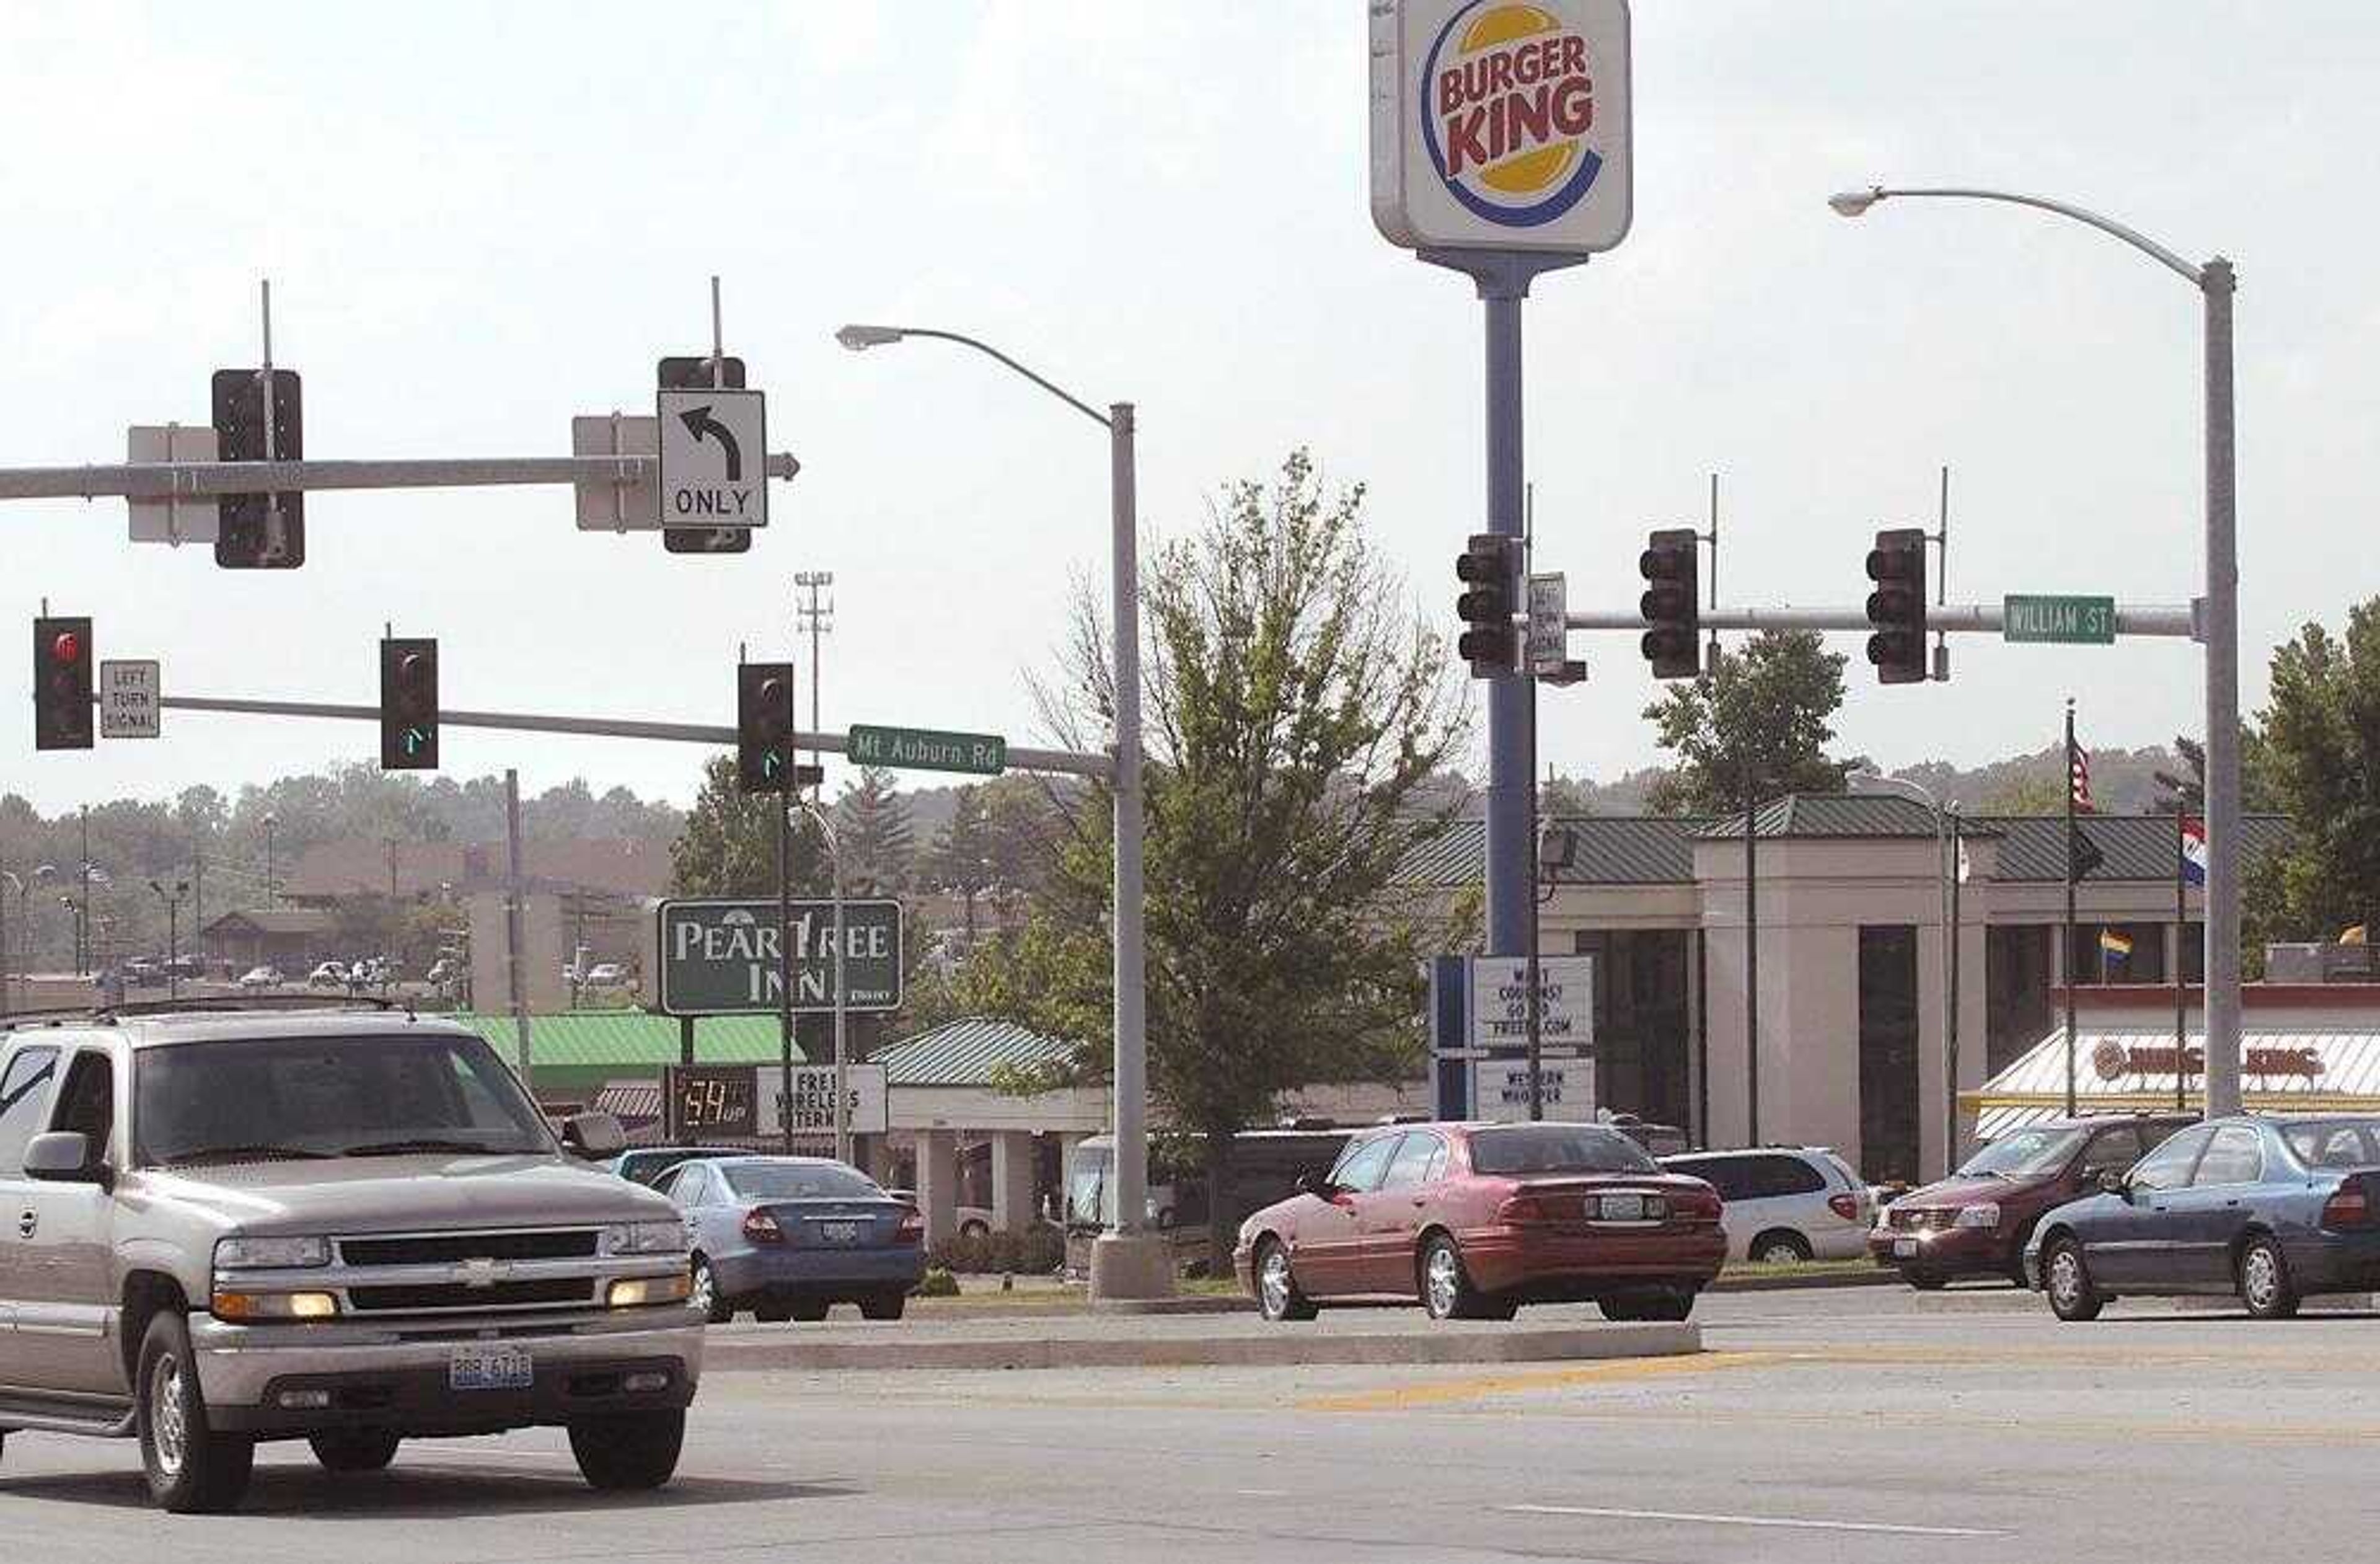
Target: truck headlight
(1986,1215)
(230,1304)
(645,1237)
(637,1292)
(245,1253)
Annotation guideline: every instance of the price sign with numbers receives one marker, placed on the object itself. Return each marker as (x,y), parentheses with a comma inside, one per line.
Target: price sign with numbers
(710,1099)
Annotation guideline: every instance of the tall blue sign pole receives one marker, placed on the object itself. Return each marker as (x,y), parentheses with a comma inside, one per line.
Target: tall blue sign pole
(1500,149)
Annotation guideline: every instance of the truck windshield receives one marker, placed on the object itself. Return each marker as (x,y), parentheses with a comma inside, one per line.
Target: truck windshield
(269,1098)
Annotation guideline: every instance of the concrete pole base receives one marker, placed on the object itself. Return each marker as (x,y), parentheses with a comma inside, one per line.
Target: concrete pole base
(1131,1265)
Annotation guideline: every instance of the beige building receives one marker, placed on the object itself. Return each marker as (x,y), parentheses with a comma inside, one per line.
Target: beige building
(1853,1023)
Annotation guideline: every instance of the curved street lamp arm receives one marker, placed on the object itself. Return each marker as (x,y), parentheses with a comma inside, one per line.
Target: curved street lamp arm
(986,349)
(2138,240)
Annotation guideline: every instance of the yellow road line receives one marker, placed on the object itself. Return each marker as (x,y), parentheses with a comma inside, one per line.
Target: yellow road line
(1442,1392)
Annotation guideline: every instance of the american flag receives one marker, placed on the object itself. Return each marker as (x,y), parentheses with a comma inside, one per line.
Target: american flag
(2193,850)
(2078,777)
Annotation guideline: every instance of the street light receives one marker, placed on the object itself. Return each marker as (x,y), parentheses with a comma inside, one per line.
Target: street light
(2219,625)
(270,900)
(1946,869)
(1128,1262)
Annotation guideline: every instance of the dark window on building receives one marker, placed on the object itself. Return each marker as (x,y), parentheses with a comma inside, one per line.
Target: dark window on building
(1887,1056)
(2017,1011)
(1642,980)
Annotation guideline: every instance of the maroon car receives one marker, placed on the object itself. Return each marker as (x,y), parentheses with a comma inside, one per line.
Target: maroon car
(1476,1220)
(1975,1222)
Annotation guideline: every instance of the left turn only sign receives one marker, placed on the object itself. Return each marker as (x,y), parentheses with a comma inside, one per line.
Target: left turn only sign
(714,458)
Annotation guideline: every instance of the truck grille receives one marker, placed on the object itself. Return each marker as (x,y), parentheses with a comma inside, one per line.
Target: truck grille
(575,1290)
(445,1248)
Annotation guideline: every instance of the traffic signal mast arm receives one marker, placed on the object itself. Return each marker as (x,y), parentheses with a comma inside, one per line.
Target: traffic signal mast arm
(1979,618)
(159,480)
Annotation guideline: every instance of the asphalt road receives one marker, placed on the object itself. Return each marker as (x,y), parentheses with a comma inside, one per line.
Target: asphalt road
(1841,1427)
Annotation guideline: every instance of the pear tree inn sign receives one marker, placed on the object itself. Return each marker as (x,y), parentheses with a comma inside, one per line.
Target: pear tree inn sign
(722,957)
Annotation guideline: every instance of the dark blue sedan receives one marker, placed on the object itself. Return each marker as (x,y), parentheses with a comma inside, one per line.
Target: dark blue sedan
(789,1237)
(2275,1209)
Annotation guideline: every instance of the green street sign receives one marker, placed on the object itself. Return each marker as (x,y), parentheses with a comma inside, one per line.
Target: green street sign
(721,957)
(2077,621)
(927,749)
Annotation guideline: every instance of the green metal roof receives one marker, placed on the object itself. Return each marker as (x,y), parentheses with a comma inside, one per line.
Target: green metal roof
(966,1052)
(632,1041)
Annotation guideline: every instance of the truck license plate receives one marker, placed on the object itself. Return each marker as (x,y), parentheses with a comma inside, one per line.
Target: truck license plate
(489,1366)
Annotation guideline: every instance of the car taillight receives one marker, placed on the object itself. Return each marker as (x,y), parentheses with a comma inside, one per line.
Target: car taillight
(2349,1205)
(1844,1206)
(1523,1209)
(911,1229)
(761,1228)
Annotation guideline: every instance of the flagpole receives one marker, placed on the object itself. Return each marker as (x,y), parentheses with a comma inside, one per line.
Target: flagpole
(2069,961)
(2180,933)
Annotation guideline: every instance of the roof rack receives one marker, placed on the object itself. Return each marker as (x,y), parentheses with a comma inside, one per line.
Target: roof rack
(216,1004)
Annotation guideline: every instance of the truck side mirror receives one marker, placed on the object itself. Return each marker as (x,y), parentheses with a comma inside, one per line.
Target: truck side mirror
(64,1157)
(594,1136)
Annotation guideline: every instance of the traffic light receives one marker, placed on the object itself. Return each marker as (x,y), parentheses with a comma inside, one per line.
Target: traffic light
(409,704)
(260,532)
(1486,568)
(764,726)
(1672,603)
(694,374)
(62,664)
(1897,607)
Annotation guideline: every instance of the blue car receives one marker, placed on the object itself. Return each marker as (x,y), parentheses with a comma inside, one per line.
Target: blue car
(2275,1209)
(790,1237)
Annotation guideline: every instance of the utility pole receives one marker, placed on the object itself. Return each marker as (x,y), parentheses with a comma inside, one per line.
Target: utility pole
(2066,959)
(82,915)
(1750,959)
(515,974)
(814,613)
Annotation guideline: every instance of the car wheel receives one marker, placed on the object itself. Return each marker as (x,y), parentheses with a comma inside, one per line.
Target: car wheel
(809,1311)
(2068,1282)
(354,1450)
(706,1296)
(2265,1284)
(1926,1281)
(1446,1288)
(629,1449)
(192,1469)
(1277,1295)
(1779,1248)
(887,1304)
(1672,1304)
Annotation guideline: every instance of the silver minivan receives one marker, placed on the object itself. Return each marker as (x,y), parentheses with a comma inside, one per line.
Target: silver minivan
(1784,1204)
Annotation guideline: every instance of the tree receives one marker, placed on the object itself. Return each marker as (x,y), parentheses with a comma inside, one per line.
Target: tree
(2027,795)
(872,829)
(729,844)
(2319,753)
(1757,724)
(1294,712)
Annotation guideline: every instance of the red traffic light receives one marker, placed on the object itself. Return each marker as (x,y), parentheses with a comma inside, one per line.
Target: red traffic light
(67,646)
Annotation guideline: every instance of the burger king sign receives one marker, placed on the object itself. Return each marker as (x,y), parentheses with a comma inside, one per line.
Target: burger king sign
(1501,124)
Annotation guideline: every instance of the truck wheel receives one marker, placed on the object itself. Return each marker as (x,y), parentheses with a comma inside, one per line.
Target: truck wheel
(192,1469)
(886,1305)
(354,1450)
(628,1450)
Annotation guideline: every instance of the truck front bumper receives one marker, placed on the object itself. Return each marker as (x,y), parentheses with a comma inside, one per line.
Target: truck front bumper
(293,1379)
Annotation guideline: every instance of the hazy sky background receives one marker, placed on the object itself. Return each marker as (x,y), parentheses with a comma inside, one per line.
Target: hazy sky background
(481,219)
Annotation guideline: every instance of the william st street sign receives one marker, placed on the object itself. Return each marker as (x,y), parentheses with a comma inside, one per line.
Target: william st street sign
(2075,621)
(720,957)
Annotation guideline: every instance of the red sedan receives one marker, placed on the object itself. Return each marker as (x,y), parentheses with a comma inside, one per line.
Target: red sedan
(1476,1219)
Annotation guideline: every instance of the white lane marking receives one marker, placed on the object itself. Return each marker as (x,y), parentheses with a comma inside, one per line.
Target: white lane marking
(1790,1523)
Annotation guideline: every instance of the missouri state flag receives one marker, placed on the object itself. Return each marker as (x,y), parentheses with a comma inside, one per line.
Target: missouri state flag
(2193,850)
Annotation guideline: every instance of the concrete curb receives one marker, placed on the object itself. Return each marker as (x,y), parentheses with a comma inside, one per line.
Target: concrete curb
(1287,1346)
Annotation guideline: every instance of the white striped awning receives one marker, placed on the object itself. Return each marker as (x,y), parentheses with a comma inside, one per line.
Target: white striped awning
(2132,1070)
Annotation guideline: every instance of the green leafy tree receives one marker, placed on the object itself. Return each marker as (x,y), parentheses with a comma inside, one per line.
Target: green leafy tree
(873,829)
(2319,752)
(728,846)
(2026,795)
(1759,722)
(1294,712)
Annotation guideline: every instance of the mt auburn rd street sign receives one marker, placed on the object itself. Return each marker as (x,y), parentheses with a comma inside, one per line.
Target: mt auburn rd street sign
(2081,620)
(720,958)
(927,749)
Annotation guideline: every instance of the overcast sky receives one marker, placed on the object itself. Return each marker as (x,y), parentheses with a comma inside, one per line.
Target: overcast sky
(481,219)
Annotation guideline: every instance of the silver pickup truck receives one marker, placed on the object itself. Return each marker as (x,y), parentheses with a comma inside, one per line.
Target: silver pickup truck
(345,1225)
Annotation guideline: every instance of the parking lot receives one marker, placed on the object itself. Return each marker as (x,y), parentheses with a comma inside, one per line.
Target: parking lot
(1843,1425)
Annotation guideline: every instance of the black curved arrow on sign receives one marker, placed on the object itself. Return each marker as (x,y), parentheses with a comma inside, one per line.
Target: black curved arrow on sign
(698,423)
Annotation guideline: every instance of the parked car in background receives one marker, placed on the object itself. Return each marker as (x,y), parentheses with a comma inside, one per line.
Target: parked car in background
(327,974)
(1785,1204)
(1977,1221)
(1474,1220)
(2274,1210)
(650,1164)
(606,975)
(261,977)
(790,1237)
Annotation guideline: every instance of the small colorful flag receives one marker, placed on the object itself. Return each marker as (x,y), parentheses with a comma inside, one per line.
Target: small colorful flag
(2193,850)
(2117,943)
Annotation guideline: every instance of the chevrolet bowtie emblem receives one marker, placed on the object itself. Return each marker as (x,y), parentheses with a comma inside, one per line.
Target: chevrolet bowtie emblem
(482,1272)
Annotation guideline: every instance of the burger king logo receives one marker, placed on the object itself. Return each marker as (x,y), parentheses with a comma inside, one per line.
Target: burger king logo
(1508,101)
